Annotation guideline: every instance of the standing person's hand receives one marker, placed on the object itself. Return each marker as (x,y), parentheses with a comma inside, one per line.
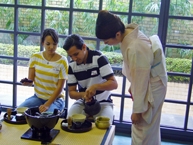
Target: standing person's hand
(129,90)
(136,118)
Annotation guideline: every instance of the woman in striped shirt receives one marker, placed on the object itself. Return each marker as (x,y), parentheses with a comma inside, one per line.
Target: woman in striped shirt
(47,71)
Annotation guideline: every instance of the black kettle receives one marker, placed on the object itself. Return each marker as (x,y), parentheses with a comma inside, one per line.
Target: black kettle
(93,107)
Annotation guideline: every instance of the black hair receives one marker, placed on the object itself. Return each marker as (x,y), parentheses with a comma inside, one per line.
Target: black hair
(50,32)
(107,25)
(73,40)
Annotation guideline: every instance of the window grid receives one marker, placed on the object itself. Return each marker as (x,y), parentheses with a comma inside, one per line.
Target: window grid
(163,17)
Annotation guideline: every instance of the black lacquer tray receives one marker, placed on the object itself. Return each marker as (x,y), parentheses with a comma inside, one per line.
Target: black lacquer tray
(86,126)
(14,119)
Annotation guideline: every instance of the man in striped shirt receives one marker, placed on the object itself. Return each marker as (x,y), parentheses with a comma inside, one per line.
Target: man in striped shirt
(90,74)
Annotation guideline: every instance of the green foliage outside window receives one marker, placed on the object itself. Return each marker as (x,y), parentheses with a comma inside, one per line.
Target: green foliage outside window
(115,59)
(84,22)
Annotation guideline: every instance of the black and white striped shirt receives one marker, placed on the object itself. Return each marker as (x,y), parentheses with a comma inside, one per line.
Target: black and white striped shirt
(95,71)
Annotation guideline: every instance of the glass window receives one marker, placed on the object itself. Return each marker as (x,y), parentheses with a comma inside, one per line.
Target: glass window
(91,44)
(180,32)
(22,70)
(29,20)
(6,44)
(128,104)
(114,56)
(60,46)
(128,84)
(173,115)
(7,2)
(116,107)
(179,53)
(109,48)
(147,14)
(84,23)
(181,8)
(60,49)
(86,4)
(116,5)
(179,61)
(147,6)
(7,18)
(149,26)
(6,93)
(58,3)
(28,40)
(120,81)
(190,118)
(192,95)
(58,20)
(30,2)
(6,67)
(22,95)
(177,91)
(29,44)
(124,18)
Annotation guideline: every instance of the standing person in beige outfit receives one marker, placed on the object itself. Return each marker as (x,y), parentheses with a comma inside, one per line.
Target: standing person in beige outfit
(144,67)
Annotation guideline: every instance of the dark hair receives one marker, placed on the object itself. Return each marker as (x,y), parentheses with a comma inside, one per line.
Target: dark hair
(50,32)
(73,40)
(107,25)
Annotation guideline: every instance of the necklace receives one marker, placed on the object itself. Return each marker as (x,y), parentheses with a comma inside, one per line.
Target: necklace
(50,59)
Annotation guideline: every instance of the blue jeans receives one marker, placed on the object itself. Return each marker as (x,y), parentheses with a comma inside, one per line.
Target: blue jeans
(34,101)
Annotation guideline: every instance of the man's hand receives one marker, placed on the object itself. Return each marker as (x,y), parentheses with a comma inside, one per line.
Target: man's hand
(136,118)
(90,92)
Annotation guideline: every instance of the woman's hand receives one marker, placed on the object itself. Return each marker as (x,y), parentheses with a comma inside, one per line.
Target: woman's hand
(136,118)
(129,90)
(26,82)
(43,108)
